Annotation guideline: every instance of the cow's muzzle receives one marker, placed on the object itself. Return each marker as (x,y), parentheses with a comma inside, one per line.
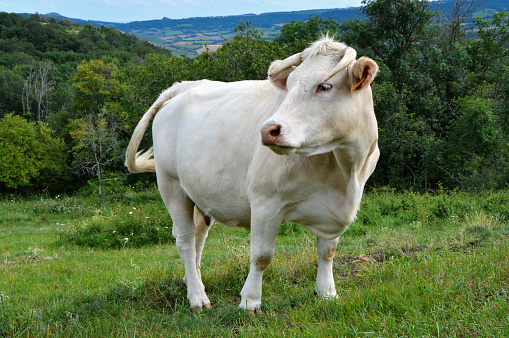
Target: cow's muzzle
(273,138)
(270,134)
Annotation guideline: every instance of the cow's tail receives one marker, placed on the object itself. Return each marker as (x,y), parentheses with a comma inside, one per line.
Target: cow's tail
(138,162)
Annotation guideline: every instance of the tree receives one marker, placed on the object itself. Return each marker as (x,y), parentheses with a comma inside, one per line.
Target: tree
(30,158)
(298,34)
(460,11)
(95,84)
(477,149)
(11,87)
(490,53)
(38,86)
(98,145)
(246,56)
(393,30)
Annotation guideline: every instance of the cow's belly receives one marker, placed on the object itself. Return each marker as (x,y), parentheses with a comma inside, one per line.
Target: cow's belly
(214,177)
(216,192)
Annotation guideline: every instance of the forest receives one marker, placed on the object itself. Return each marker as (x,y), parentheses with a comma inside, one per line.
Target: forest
(71,94)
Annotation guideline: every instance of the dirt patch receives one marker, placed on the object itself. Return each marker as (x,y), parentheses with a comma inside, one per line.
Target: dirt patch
(211,48)
(350,266)
(28,260)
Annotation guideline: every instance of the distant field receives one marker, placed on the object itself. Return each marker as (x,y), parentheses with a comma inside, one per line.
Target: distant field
(172,34)
(411,265)
(188,41)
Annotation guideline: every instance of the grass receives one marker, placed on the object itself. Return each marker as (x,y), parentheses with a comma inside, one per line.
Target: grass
(413,265)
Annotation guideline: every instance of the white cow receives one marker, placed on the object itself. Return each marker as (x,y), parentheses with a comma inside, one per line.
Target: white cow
(210,158)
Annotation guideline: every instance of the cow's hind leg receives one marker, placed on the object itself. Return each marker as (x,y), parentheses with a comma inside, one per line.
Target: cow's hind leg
(202,224)
(184,230)
(325,286)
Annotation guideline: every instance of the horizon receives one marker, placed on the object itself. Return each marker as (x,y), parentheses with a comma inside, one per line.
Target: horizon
(115,11)
(56,14)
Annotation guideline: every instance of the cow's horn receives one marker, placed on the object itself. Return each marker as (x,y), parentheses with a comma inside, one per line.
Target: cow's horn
(349,55)
(286,63)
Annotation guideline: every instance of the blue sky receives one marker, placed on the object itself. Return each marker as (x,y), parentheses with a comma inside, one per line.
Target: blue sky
(140,10)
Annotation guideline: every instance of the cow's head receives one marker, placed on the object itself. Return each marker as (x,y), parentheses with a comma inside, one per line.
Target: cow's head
(328,100)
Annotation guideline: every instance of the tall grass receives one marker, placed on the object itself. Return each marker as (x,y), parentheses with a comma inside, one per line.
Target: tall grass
(415,265)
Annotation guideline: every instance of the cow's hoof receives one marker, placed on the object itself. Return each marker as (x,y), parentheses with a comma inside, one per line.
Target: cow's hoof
(255,312)
(199,308)
(326,293)
(252,306)
(198,300)
(327,296)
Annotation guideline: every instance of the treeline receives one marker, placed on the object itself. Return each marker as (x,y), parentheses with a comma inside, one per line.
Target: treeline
(441,97)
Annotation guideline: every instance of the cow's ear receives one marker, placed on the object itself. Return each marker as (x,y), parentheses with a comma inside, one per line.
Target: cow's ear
(280,78)
(362,73)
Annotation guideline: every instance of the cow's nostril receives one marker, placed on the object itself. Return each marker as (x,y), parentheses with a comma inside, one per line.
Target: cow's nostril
(276,131)
(270,133)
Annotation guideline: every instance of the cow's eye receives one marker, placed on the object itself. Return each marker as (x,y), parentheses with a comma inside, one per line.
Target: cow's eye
(323,87)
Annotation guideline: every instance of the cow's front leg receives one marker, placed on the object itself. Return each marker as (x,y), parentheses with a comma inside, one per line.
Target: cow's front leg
(325,286)
(263,244)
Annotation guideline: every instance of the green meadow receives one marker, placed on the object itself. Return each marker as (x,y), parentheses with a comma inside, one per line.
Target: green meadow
(415,265)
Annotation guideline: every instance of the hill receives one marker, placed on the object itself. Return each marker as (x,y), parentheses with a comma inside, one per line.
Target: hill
(187,36)
(50,37)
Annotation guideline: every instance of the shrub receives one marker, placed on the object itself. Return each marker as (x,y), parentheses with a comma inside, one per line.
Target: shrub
(123,228)
(30,156)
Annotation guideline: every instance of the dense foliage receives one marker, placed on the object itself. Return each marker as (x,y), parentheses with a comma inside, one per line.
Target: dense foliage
(31,157)
(441,97)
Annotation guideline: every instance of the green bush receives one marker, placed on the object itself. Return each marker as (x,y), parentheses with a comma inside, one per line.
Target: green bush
(30,157)
(123,228)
